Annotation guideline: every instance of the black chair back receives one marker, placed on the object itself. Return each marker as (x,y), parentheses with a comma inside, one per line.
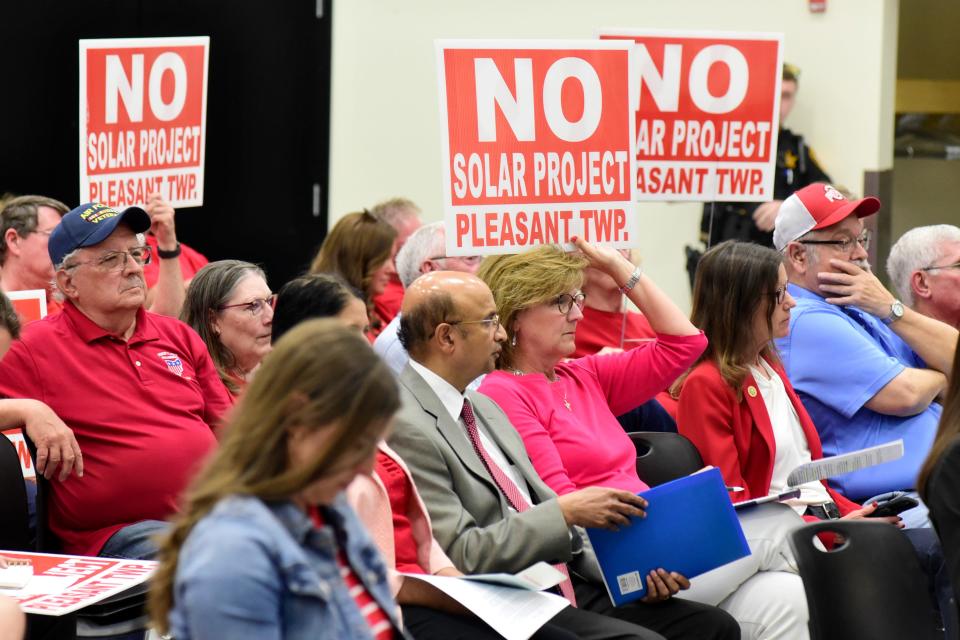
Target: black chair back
(869,587)
(15,532)
(664,456)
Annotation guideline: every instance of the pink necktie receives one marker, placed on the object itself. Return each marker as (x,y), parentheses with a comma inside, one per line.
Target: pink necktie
(508,488)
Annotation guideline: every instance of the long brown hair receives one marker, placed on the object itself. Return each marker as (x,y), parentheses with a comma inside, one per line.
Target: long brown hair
(320,375)
(733,280)
(947,432)
(355,248)
(210,288)
(523,280)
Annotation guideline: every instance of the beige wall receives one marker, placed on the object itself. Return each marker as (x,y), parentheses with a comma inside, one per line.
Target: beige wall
(386,133)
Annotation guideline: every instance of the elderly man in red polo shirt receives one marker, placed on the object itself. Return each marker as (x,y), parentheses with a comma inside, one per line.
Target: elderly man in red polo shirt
(139,390)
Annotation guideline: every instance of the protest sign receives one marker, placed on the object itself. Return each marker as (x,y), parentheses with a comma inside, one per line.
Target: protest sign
(708,113)
(30,305)
(143,104)
(59,584)
(537,144)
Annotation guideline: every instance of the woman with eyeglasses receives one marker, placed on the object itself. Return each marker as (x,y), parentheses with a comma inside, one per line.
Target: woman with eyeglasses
(231,306)
(565,410)
(359,248)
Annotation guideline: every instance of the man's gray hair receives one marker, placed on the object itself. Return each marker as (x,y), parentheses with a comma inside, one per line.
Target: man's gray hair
(424,243)
(396,211)
(916,249)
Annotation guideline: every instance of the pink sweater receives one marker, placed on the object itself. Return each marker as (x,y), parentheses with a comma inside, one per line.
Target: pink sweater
(569,427)
(368,497)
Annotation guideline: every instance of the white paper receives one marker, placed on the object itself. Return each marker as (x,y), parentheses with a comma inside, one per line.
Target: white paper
(845,463)
(16,576)
(516,614)
(534,578)
(41,584)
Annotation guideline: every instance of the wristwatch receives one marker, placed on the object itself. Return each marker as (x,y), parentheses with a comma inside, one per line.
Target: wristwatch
(896,312)
(169,255)
(633,280)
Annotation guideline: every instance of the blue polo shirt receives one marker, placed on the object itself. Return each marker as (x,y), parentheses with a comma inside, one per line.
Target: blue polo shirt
(837,358)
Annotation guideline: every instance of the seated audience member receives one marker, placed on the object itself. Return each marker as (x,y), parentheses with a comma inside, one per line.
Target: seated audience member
(230,305)
(608,326)
(25,226)
(939,481)
(489,508)
(388,504)
(867,369)
(565,410)
(424,251)
(737,404)
(359,249)
(266,546)
(9,324)
(138,390)
(404,216)
(319,295)
(168,276)
(924,266)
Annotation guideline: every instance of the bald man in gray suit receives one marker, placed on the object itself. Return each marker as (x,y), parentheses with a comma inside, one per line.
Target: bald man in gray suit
(489,508)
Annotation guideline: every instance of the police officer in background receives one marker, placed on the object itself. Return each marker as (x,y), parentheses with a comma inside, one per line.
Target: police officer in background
(796,168)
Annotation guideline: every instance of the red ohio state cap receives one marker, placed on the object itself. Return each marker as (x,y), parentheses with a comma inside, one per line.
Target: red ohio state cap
(817,206)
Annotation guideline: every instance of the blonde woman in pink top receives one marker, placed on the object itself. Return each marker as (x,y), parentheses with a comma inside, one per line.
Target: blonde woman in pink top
(565,412)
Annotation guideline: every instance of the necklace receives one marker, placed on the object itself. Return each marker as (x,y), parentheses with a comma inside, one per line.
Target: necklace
(566,402)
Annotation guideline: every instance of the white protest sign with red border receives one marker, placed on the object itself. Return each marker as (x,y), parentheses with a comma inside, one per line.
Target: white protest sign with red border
(143,119)
(537,143)
(62,584)
(708,114)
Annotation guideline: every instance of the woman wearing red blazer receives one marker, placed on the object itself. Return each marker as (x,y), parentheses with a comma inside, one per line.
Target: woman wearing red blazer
(736,403)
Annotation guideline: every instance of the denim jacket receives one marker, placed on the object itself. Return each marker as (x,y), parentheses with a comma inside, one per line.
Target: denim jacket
(251,569)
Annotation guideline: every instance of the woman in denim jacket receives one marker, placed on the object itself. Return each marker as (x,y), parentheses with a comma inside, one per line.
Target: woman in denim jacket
(266,547)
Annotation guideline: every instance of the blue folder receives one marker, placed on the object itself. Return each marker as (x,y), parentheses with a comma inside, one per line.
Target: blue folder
(691,528)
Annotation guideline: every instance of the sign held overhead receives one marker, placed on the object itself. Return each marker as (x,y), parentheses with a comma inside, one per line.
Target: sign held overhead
(537,144)
(143,105)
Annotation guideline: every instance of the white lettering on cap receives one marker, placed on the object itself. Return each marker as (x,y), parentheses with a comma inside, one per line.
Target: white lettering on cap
(831,194)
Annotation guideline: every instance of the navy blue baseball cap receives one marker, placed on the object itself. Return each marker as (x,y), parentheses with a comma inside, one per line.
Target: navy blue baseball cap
(91,224)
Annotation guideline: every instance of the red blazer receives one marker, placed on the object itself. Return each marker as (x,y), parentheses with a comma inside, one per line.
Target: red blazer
(736,435)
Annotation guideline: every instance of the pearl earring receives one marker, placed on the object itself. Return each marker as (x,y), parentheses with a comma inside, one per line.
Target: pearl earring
(513,340)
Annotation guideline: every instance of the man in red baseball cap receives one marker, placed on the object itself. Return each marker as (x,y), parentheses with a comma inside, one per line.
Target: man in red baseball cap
(868,368)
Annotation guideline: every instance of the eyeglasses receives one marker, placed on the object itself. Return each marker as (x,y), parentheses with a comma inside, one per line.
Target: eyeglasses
(566,301)
(465,259)
(779,294)
(955,265)
(117,260)
(491,323)
(846,244)
(254,307)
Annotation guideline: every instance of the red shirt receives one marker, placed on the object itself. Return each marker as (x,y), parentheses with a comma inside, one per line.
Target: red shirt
(379,622)
(143,412)
(387,304)
(399,492)
(191,261)
(599,329)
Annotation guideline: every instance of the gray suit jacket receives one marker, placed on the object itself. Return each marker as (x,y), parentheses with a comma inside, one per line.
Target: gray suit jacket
(471,518)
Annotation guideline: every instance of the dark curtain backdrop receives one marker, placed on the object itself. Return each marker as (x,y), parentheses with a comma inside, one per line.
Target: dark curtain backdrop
(268,113)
